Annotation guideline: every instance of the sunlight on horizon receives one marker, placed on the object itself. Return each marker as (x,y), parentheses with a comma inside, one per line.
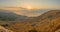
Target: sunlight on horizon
(29,7)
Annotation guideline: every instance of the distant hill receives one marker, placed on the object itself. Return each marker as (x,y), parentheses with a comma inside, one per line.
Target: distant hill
(10,16)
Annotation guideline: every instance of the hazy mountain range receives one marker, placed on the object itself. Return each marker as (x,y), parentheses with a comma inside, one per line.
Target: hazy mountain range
(24,14)
(8,15)
(11,15)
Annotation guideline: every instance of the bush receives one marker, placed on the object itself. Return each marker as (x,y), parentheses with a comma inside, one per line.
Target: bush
(33,30)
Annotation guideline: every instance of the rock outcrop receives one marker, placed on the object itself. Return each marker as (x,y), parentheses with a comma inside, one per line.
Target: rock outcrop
(2,29)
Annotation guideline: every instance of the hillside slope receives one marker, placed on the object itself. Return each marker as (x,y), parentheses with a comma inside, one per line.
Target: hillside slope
(47,22)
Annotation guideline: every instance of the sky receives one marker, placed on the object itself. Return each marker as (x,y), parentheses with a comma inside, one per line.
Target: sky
(29,4)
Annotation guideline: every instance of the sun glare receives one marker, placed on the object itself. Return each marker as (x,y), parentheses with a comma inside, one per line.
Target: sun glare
(29,7)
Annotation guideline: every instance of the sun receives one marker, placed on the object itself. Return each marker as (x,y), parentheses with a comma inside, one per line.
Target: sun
(29,7)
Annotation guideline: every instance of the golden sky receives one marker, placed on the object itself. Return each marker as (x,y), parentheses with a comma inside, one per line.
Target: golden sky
(29,7)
